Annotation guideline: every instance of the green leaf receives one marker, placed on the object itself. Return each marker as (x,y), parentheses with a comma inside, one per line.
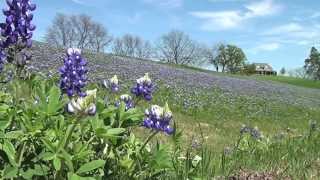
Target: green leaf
(39,170)
(48,145)
(47,156)
(4,123)
(57,163)
(115,131)
(4,108)
(67,159)
(72,176)
(14,134)
(54,100)
(9,149)
(10,172)
(91,166)
(161,158)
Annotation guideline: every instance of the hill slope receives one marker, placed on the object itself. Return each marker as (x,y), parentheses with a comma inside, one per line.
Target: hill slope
(104,66)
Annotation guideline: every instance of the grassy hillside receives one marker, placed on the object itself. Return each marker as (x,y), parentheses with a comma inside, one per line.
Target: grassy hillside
(293,81)
(212,108)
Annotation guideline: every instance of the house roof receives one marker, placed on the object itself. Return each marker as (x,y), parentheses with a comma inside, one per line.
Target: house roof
(263,67)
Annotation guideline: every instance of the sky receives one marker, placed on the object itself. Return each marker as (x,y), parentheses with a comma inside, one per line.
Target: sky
(278,32)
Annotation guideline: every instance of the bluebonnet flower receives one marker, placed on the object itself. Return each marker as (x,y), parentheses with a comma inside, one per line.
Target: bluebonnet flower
(73,73)
(254,132)
(144,87)
(83,105)
(113,84)
(2,58)
(127,99)
(18,23)
(158,118)
(313,125)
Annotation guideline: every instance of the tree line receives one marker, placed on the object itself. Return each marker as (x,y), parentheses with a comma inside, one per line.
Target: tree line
(175,47)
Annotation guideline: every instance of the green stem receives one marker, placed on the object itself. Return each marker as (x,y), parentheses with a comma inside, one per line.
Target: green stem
(66,142)
(147,140)
(69,133)
(21,152)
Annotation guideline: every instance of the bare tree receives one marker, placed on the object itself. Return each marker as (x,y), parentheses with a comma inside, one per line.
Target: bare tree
(83,26)
(133,46)
(118,47)
(61,32)
(210,55)
(178,48)
(99,37)
(78,31)
(299,73)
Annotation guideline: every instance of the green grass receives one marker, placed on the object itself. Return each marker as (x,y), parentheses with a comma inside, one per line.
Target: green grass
(291,80)
(221,116)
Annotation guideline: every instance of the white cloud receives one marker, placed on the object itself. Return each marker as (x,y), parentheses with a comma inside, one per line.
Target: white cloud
(223,20)
(286,28)
(271,46)
(293,33)
(226,0)
(219,20)
(165,3)
(315,15)
(268,46)
(78,1)
(262,8)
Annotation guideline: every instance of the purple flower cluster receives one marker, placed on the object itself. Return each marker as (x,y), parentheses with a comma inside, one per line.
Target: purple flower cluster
(18,23)
(158,118)
(17,27)
(254,132)
(127,99)
(73,73)
(113,84)
(144,87)
(2,58)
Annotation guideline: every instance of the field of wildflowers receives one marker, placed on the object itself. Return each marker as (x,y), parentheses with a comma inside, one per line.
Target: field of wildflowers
(77,120)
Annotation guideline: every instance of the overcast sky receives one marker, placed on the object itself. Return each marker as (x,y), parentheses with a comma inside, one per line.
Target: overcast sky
(279,32)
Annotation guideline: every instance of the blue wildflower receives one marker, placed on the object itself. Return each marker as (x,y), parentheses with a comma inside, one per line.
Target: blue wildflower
(127,99)
(254,132)
(73,73)
(18,24)
(113,84)
(144,87)
(2,58)
(83,105)
(158,118)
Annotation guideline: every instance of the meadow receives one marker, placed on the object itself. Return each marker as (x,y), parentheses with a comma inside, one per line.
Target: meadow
(72,114)
(308,83)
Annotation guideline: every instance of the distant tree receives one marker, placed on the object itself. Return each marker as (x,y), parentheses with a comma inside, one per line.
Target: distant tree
(283,71)
(299,73)
(133,46)
(178,48)
(221,59)
(236,58)
(144,49)
(78,31)
(99,37)
(312,64)
(61,33)
(249,69)
(210,54)
(230,57)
